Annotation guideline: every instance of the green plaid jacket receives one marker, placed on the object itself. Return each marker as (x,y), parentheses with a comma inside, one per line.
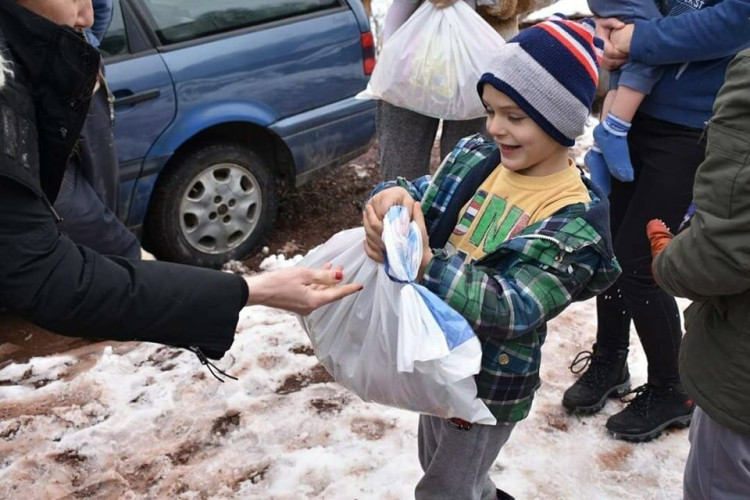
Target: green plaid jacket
(509,295)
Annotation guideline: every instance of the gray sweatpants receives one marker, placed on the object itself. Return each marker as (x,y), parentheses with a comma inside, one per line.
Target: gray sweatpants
(405,139)
(456,462)
(718,466)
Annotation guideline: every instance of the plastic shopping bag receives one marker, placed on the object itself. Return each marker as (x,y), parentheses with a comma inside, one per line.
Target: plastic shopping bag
(395,342)
(433,62)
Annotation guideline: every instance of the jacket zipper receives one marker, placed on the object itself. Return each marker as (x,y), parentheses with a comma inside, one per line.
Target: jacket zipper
(548,238)
(58,219)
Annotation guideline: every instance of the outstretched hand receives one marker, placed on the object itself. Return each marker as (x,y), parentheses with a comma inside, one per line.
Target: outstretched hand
(373,216)
(658,235)
(298,289)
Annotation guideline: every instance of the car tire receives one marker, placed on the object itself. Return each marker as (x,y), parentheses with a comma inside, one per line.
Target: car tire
(213,204)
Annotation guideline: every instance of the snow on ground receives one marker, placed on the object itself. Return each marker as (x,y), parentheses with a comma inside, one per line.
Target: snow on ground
(145,421)
(570,8)
(135,420)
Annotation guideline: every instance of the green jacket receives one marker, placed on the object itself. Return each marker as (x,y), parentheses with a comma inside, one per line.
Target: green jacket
(709,262)
(509,295)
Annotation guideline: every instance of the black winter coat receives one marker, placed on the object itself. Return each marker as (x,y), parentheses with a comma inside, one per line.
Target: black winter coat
(43,275)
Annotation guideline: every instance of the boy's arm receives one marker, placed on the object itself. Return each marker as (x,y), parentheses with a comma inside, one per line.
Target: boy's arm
(507,303)
(714,32)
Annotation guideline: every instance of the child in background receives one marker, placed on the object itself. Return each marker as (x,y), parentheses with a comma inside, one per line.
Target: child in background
(628,87)
(513,233)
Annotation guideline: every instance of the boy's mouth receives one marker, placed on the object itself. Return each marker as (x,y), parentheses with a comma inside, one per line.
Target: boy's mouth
(505,149)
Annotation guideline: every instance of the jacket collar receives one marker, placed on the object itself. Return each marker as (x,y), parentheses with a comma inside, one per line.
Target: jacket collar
(49,54)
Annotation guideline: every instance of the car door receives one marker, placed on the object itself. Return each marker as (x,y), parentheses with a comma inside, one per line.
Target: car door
(144,102)
(272,62)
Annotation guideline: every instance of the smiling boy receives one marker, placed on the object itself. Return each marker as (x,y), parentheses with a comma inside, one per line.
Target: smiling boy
(513,234)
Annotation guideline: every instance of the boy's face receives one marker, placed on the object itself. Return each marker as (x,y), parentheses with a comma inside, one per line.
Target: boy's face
(73,13)
(524,147)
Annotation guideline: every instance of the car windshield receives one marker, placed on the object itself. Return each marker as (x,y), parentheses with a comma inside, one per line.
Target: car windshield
(182,20)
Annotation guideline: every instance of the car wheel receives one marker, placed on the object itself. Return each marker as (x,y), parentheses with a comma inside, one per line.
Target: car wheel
(213,205)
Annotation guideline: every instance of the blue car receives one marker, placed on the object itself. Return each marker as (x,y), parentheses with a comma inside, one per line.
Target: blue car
(220,103)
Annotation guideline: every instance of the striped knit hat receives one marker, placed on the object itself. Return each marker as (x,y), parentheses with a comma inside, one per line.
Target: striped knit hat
(550,70)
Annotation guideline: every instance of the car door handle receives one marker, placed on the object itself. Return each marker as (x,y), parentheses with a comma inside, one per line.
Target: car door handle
(136,98)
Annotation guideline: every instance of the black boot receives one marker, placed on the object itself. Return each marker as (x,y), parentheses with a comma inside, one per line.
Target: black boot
(501,495)
(607,376)
(652,410)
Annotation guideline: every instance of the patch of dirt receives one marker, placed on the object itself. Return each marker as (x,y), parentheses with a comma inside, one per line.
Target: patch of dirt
(329,405)
(616,458)
(226,423)
(371,429)
(302,349)
(298,381)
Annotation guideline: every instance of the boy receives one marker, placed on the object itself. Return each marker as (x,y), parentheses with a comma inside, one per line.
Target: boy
(515,235)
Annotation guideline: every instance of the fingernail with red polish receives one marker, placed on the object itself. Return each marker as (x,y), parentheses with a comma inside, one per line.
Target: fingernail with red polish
(339,275)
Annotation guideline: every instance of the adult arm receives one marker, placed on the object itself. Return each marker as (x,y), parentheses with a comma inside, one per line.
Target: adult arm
(74,291)
(713,32)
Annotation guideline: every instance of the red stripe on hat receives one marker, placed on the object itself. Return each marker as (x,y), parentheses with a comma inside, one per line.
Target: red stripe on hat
(572,48)
(580,29)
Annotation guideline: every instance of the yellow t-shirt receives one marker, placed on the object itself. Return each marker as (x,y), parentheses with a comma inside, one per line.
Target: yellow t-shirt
(507,202)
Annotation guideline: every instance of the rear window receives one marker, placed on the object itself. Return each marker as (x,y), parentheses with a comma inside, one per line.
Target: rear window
(183,20)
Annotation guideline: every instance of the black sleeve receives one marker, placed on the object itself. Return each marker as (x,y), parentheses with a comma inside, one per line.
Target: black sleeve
(74,291)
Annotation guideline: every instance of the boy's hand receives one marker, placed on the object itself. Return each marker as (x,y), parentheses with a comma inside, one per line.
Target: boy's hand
(374,214)
(418,217)
(659,236)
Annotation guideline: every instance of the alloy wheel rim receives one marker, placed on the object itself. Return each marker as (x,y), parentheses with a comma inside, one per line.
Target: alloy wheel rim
(220,208)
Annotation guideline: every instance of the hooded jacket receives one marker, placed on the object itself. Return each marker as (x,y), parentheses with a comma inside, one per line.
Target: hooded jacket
(694,44)
(509,295)
(709,262)
(44,276)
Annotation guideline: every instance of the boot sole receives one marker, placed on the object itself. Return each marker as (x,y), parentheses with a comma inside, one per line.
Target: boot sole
(677,423)
(617,391)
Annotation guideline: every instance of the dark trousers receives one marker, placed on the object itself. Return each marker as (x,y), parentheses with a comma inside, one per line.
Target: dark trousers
(665,157)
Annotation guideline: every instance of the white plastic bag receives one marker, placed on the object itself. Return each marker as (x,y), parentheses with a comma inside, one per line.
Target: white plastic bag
(433,62)
(385,343)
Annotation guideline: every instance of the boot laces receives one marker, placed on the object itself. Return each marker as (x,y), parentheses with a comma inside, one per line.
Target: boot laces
(646,397)
(596,374)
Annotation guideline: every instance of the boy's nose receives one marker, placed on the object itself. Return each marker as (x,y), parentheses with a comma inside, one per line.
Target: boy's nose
(495,128)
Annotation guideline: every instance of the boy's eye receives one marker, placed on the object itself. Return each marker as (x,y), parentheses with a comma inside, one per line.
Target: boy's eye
(515,119)
(489,112)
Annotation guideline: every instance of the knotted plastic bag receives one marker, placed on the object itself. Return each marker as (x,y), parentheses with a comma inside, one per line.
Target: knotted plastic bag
(395,342)
(433,62)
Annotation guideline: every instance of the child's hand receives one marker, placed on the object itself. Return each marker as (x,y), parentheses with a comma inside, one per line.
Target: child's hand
(612,58)
(418,217)
(374,214)
(659,236)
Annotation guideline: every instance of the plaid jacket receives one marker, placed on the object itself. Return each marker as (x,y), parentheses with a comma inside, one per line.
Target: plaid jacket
(509,295)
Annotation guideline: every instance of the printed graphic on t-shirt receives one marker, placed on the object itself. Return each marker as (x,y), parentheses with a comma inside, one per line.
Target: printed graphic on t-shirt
(681,6)
(489,220)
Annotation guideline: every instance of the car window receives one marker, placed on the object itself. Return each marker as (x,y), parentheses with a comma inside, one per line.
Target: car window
(115,41)
(183,20)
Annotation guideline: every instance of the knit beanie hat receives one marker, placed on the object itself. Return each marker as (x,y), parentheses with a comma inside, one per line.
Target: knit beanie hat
(550,70)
